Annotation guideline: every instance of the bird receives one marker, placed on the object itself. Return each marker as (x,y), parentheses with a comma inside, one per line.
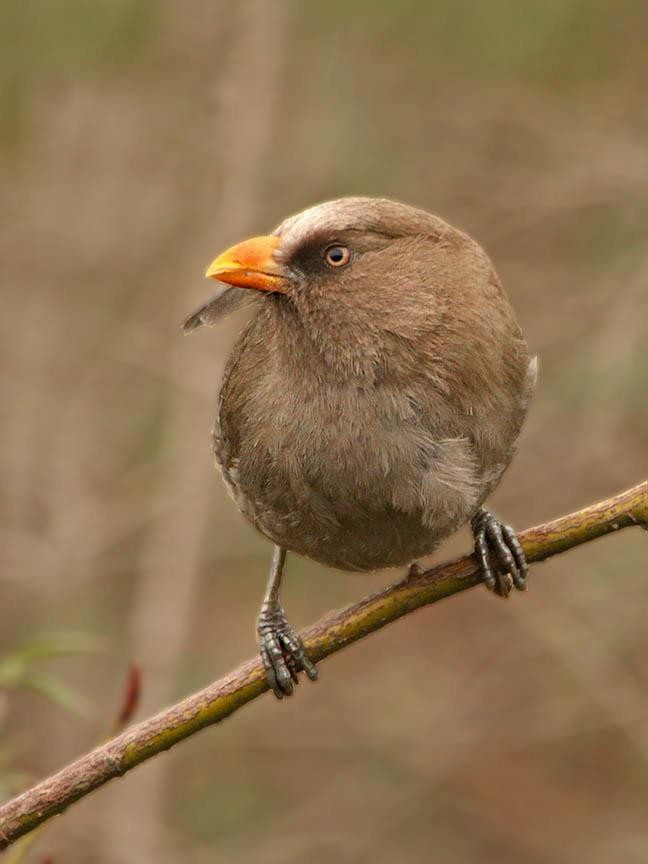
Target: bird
(371,403)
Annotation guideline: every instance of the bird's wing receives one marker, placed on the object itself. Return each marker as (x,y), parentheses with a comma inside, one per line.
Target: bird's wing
(530,380)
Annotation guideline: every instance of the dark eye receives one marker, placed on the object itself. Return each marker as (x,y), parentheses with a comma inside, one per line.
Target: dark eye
(337,256)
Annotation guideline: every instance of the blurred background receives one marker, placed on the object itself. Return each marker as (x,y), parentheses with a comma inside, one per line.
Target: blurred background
(138,138)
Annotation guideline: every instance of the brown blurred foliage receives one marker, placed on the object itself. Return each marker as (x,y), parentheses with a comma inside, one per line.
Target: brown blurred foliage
(139,138)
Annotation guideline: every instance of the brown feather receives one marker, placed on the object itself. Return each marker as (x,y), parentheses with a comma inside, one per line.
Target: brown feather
(366,414)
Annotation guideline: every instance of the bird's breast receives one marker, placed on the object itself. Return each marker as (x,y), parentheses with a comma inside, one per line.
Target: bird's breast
(349,474)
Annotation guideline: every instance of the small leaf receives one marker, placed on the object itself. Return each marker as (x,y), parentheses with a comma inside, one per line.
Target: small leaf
(49,645)
(58,692)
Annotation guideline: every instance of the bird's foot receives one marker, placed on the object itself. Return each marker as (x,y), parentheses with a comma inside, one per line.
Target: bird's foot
(500,554)
(282,651)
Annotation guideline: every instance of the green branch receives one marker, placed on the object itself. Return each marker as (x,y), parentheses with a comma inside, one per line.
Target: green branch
(331,634)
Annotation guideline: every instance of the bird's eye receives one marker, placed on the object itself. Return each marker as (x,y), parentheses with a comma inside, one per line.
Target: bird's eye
(337,256)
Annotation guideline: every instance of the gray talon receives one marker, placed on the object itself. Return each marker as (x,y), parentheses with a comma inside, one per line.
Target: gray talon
(520,558)
(499,553)
(282,652)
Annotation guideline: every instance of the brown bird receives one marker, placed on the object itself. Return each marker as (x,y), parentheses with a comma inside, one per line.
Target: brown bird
(372,402)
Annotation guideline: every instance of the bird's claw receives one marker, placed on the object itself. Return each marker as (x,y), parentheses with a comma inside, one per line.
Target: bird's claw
(282,652)
(497,544)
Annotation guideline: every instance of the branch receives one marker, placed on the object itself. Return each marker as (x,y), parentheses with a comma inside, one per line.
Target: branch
(330,634)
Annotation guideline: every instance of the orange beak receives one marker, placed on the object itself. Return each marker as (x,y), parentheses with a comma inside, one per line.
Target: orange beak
(250,264)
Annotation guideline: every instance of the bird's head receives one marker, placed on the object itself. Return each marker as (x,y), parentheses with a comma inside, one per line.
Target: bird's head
(365,261)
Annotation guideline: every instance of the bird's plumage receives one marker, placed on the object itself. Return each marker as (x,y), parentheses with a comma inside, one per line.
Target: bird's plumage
(367,412)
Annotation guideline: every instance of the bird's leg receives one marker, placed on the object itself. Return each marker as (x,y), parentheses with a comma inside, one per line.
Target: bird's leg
(281,649)
(500,554)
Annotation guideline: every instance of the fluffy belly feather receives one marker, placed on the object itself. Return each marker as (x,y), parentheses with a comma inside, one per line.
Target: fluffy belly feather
(364,502)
